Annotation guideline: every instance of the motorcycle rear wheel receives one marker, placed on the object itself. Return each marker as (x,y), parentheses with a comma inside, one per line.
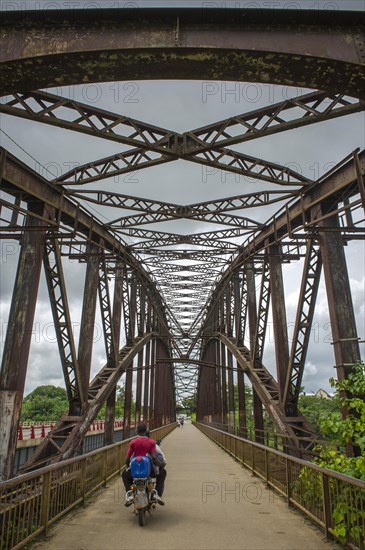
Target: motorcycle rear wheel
(141,516)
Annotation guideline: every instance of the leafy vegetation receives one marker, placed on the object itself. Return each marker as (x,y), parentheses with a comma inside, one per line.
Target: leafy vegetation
(49,403)
(317,410)
(348,502)
(351,393)
(44,403)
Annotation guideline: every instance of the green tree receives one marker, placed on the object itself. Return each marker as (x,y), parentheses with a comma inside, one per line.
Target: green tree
(44,403)
(348,505)
(351,429)
(188,405)
(316,409)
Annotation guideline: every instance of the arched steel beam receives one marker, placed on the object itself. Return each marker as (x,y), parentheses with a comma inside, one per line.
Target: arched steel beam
(296,429)
(57,48)
(64,440)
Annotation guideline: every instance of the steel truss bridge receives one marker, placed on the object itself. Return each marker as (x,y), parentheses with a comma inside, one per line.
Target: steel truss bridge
(189,312)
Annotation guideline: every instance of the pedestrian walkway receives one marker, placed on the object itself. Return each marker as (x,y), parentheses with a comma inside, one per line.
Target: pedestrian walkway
(212,502)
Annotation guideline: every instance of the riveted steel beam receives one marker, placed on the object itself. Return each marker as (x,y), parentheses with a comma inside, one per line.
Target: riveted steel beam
(313,49)
(302,327)
(18,339)
(63,326)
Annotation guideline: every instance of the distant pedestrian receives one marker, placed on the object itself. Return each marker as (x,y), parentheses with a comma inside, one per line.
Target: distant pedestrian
(181,422)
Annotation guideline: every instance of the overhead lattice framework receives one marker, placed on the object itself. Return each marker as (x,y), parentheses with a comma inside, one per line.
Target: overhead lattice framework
(183,301)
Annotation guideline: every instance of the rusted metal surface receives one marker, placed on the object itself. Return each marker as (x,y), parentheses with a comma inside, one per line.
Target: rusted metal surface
(187,319)
(88,318)
(280,330)
(313,49)
(110,417)
(206,145)
(344,333)
(300,340)
(63,326)
(17,343)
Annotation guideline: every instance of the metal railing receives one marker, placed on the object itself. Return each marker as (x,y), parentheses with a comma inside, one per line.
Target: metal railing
(30,503)
(277,440)
(333,500)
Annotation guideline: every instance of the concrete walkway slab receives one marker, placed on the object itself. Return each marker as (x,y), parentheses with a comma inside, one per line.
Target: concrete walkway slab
(212,502)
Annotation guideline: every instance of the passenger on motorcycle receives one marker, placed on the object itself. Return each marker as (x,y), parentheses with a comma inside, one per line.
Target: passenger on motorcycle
(142,445)
(159,471)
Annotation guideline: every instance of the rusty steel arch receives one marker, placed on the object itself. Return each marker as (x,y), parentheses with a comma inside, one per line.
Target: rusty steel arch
(311,49)
(66,437)
(220,350)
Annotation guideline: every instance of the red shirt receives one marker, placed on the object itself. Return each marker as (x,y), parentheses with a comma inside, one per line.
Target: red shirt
(141,446)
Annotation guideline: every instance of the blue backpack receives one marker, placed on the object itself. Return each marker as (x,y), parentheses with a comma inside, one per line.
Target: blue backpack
(140,466)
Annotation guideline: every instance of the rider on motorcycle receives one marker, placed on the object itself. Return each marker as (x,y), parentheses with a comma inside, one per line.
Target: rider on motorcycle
(159,471)
(142,445)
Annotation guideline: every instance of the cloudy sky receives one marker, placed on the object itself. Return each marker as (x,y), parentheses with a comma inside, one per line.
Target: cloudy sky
(181,106)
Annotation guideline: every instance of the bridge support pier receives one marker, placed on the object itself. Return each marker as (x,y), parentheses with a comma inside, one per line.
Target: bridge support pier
(88,318)
(341,311)
(253,328)
(18,339)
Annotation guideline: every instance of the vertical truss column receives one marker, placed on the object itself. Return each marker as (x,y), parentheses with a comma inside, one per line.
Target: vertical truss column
(106,315)
(141,321)
(224,384)
(172,394)
(139,386)
(229,310)
(255,357)
(240,308)
(146,387)
(110,417)
(242,415)
(129,370)
(340,306)
(116,321)
(152,385)
(218,411)
(18,337)
(167,394)
(231,404)
(88,317)
(127,307)
(262,315)
(279,317)
(168,389)
(302,328)
(222,315)
(62,321)
(212,389)
(202,390)
(158,404)
(147,372)
(128,401)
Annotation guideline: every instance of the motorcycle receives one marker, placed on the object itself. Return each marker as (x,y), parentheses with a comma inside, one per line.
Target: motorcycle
(143,487)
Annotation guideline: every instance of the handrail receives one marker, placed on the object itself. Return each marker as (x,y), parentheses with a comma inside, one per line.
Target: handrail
(276,440)
(31,502)
(333,500)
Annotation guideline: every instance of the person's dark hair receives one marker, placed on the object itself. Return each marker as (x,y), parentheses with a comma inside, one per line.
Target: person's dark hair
(148,433)
(141,429)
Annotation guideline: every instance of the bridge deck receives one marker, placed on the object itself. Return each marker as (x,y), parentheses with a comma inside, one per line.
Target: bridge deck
(211,502)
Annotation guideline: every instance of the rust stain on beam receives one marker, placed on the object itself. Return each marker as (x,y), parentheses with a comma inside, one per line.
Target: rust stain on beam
(294,49)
